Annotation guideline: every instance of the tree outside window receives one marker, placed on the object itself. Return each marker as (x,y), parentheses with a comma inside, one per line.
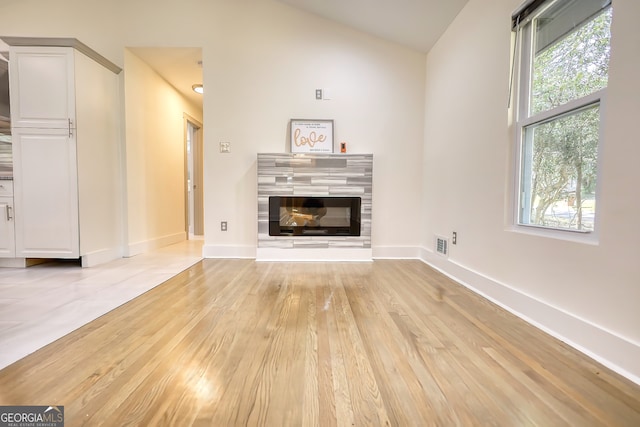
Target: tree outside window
(560,127)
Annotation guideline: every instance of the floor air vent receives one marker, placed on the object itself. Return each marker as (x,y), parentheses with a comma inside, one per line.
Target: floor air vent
(442,245)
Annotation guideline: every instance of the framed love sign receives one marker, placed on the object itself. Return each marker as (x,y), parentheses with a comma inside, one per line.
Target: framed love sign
(311,136)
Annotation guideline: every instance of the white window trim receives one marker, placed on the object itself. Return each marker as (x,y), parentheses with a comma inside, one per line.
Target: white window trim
(564,109)
(522,79)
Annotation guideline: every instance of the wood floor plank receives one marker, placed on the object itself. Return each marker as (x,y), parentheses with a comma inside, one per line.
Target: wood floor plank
(403,395)
(364,393)
(320,360)
(239,342)
(345,412)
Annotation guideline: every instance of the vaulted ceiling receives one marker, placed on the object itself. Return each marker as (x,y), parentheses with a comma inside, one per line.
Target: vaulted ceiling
(416,24)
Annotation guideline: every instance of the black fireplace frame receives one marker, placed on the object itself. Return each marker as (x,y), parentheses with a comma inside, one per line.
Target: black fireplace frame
(276,229)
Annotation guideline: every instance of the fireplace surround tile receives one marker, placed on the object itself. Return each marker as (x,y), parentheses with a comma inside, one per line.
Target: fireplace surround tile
(314,175)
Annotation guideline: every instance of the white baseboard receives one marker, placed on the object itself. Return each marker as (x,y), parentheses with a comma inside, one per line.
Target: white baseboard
(613,351)
(138,248)
(13,262)
(230,251)
(100,257)
(396,252)
(314,254)
(342,254)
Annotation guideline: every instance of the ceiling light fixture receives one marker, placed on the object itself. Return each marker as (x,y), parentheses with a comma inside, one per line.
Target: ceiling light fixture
(198,89)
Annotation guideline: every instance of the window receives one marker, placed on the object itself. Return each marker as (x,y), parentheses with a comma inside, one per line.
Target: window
(563,71)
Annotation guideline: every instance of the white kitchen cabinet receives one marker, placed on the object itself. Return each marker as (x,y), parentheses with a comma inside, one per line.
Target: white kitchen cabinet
(46,193)
(7,239)
(42,87)
(66,140)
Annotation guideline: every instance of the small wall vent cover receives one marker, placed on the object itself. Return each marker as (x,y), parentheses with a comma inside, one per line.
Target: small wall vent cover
(442,245)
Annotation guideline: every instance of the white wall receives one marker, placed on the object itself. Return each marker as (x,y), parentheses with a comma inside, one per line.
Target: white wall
(586,293)
(267,74)
(98,135)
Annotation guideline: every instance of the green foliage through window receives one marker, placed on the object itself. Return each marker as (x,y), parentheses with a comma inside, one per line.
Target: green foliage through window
(562,157)
(573,67)
(560,150)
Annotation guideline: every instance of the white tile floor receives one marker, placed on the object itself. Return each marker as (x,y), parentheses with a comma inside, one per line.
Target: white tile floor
(42,303)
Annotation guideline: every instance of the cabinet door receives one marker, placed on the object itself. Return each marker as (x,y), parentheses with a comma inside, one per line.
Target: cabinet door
(45,193)
(7,241)
(42,87)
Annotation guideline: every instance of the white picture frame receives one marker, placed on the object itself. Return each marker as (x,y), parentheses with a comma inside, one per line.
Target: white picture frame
(311,136)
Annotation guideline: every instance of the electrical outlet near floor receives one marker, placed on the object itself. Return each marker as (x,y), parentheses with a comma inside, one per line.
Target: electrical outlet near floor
(223,226)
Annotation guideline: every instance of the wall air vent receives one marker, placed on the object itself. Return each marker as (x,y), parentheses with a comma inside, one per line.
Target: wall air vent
(442,245)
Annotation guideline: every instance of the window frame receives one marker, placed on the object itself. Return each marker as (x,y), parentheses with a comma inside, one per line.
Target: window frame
(523,70)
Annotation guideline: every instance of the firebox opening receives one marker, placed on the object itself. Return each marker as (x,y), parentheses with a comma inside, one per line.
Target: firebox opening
(304,216)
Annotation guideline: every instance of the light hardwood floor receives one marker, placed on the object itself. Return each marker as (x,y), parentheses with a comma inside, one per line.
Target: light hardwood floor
(239,342)
(43,303)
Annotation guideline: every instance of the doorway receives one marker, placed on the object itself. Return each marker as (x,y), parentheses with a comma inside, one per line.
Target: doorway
(194,209)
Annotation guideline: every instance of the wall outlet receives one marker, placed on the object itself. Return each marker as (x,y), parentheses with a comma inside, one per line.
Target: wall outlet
(454,238)
(318,93)
(225,147)
(223,226)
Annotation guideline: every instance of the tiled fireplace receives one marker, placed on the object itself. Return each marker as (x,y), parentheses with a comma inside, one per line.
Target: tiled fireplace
(314,206)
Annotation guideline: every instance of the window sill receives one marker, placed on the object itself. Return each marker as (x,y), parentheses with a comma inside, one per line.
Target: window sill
(577,236)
